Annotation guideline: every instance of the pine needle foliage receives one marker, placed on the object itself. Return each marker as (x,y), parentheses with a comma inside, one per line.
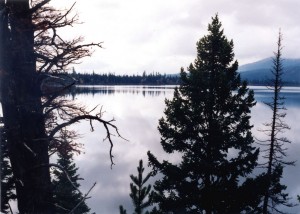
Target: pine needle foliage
(66,197)
(140,194)
(207,123)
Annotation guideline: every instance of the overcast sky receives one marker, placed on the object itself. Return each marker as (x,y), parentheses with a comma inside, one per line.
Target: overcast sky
(161,36)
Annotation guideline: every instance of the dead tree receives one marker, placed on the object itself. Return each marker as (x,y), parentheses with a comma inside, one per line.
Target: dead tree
(31,54)
(275,145)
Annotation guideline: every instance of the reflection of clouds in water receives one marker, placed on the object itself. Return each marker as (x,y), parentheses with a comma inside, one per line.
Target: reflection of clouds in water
(137,118)
(291,175)
(291,95)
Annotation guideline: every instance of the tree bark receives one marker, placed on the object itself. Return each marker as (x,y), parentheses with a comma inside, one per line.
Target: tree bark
(22,109)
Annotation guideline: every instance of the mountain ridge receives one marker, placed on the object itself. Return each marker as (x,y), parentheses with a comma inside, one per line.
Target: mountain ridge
(259,72)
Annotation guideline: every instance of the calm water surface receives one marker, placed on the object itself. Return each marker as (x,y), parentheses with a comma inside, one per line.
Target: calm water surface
(137,110)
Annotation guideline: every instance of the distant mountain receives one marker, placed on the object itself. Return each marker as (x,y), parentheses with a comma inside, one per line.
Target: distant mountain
(260,72)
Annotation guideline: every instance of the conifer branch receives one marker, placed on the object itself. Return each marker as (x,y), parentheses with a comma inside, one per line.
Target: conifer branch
(85,196)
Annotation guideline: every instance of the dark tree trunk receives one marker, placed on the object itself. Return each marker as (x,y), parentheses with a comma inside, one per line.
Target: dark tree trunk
(22,109)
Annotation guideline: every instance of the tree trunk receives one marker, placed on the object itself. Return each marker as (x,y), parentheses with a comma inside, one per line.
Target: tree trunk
(22,110)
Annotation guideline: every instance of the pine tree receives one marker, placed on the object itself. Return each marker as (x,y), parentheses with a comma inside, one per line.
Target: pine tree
(141,195)
(275,152)
(66,197)
(207,122)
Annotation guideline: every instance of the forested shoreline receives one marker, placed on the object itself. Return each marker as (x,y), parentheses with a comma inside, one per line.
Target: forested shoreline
(154,78)
(220,167)
(113,79)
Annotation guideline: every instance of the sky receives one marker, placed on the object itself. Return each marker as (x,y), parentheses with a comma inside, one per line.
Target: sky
(160,36)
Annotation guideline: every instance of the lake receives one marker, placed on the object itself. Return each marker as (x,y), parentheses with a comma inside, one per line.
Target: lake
(137,110)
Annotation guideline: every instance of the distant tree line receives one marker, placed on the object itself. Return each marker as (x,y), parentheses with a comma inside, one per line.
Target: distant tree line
(208,123)
(154,78)
(113,79)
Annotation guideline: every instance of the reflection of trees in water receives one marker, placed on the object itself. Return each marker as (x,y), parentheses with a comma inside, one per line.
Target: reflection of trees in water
(292,98)
(261,95)
(111,90)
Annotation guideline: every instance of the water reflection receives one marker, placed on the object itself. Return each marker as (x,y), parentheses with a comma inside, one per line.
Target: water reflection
(111,90)
(291,95)
(137,110)
(262,94)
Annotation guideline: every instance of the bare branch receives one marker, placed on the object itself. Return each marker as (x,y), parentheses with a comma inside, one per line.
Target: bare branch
(53,53)
(62,169)
(38,6)
(10,209)
(83,199)
(78,118)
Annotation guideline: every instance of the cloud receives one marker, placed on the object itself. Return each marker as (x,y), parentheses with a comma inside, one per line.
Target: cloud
(162,35)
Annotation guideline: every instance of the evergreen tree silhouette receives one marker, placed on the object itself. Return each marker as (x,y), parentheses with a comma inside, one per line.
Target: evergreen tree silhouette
(141,195)
(66,197)
(207,123)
